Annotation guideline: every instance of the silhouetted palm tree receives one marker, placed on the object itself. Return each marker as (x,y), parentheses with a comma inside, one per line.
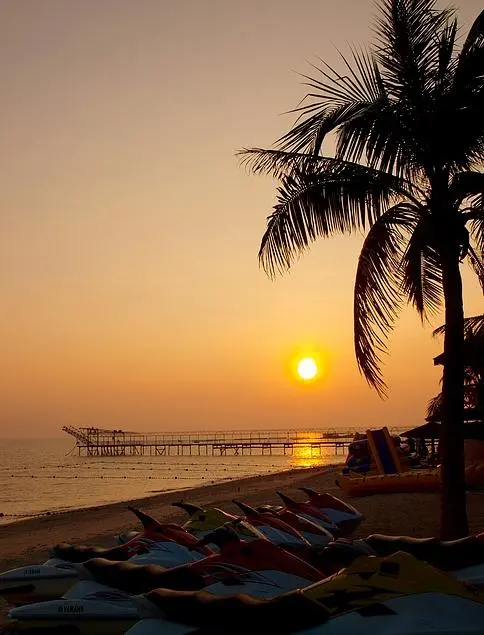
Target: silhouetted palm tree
(473,369)
(407,119)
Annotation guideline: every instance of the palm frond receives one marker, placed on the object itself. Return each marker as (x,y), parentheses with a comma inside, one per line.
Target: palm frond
(476,261)
(321,202)
(415,54)
(334,99)
(472,399)
(278,164)
(476,231)
(476,225)
(472,326)
(465,139)
(474,40)
(378,288)
(422,272)
(379,135)
(409,35)
(309,134)
(434,407)
(467,184)
(447,41)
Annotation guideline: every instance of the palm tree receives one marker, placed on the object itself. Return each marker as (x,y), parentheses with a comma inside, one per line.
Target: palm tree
(407,120)
(473,369)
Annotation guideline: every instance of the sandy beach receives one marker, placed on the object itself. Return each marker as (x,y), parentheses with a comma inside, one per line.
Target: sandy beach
(27,542)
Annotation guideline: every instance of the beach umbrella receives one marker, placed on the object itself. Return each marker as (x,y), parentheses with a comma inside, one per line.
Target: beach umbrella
(429,430)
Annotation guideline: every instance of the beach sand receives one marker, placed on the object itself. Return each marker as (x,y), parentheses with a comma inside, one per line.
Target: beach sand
(26,542)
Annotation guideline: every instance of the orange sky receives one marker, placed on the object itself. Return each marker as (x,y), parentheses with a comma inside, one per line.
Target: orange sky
(131,293)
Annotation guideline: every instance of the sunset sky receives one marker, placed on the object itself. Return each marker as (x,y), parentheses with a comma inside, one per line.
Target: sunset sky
(131,292)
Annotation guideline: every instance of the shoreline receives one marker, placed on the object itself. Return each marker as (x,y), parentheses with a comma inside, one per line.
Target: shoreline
(19,519)
(100,523)
(16,519)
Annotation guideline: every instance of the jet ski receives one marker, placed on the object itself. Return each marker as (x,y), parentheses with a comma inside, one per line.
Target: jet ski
(463,558)
(257,567)
(280,532)
(308,549)
(165,544)
(312,532)
(345,516)
(310,511)
(257,522)
(397,595)
(204,521)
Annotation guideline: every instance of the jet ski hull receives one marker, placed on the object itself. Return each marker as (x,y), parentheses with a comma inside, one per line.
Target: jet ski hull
(160,627)
(423,614)
(36,583)
(329,526)
(471,575)
(87,617)
(91,602)
(84,627)
(259,584)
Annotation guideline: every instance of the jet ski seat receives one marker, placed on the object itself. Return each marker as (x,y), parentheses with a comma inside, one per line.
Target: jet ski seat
(446,555)
(136,578)
(287,613)
(81,553)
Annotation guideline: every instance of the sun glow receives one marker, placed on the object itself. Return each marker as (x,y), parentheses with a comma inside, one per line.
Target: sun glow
(307,368)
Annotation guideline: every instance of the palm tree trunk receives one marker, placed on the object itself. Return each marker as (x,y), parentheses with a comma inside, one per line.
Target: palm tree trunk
(453,522)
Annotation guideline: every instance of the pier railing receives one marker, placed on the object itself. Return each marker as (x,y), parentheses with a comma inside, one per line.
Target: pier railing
(103,442)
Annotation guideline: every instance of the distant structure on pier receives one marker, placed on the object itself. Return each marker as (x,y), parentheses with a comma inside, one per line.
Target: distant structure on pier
(102,442)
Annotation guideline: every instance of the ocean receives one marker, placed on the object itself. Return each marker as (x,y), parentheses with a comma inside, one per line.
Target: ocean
(39,476)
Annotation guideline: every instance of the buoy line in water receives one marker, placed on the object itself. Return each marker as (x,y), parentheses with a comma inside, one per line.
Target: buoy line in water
(129,478)
(217,461)
(54,513)
(192,467)
(180,467)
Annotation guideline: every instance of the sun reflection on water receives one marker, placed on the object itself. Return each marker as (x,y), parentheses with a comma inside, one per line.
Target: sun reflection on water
(308,454)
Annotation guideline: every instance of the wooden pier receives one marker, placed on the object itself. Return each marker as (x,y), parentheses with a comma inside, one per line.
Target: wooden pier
(101,442)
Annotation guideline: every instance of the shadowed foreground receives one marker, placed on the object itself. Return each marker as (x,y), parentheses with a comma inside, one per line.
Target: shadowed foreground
(412,514)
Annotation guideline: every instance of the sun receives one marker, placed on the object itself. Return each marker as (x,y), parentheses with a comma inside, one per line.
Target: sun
(307,368)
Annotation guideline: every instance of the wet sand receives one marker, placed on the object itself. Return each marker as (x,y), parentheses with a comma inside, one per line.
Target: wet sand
(26,542)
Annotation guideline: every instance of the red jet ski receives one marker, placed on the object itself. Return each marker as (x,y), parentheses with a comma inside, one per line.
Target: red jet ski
(345,516)
(314,534)
(153,532)
(310,511)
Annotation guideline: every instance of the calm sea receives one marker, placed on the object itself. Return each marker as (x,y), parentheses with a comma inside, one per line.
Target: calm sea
(38,476)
